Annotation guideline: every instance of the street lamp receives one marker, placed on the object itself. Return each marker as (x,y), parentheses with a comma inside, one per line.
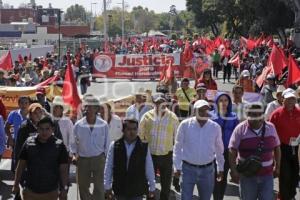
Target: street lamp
(92,17)
(59,23)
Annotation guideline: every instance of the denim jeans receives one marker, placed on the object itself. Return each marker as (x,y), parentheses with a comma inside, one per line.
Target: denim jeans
(202,177)
(257,187)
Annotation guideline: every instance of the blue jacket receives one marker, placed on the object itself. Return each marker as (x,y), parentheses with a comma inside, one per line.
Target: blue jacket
(227,123)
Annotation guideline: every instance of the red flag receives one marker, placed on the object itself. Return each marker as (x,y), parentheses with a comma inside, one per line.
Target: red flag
(170,72)
(29,57)
(277,59)
(162,76)
(258,42)
(235,60)
(294,72)
(261,79)
(69,92)
(187,53)
(6,61)
(49,81)
(249,44)
(20,58)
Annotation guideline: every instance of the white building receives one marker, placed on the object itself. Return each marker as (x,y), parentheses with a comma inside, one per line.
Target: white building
(41,37)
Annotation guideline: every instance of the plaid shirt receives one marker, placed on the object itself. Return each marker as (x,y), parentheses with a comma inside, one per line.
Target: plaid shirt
(159,132)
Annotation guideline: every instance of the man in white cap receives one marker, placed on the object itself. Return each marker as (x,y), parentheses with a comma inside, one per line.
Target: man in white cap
(272,106)
(268,89)
(198,143)
(246,82)
(287,123)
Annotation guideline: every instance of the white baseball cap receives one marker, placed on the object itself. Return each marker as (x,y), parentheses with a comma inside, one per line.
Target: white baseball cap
(288,93)
(200,103)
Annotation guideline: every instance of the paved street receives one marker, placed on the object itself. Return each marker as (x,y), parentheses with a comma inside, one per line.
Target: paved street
(112,89)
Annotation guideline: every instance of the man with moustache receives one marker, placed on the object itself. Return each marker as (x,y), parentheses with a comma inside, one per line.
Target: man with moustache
(255,138)
(287,123)
(198,143)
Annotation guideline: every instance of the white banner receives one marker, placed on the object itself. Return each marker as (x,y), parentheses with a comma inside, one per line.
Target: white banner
(147,60)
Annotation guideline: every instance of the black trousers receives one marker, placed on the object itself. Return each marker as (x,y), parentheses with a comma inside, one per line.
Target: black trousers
(183,114)
(216,68)
(220,187)
(227,72)
(164,165)
(289,172)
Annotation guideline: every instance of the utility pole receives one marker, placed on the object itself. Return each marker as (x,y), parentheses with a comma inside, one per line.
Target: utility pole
(92,17)
(105,21)
(123,21)
(59,23)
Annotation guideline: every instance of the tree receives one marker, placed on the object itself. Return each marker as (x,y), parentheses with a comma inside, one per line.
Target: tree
(77,13)
(206,14)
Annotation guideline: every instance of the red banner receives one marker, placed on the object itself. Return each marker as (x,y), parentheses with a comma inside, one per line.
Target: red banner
(137,66)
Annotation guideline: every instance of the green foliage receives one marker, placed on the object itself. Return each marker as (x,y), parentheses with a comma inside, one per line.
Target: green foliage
(141,20)
(77,13)
(239,17)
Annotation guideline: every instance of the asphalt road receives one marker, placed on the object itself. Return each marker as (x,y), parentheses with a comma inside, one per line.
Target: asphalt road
(114,89)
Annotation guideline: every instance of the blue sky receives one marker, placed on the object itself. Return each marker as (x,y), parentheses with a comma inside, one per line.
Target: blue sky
(156,5)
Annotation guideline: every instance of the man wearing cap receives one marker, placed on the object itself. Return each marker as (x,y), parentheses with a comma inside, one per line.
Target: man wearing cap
(272,106)
(140,107)
(246,82)
(287,122)
(185,95)
(90,146)
(255,138)
(41,98)
(129,171)
(198,143)
(45,158)
(158,127)
(27,129)
(268,89)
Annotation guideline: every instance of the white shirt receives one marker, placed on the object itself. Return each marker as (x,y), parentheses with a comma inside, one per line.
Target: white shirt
(133,111)
(66,129)
(198,145)
(271,107)
(89,143)
(115,128)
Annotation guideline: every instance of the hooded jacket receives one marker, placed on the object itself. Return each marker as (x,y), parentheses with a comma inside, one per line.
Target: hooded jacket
(227,123)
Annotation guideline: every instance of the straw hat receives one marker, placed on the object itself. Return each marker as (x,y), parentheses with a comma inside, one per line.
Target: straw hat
(279,89)
(59,101)
(141,91)
(26,78)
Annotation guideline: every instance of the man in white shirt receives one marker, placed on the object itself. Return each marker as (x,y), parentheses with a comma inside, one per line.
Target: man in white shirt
(114,121)
(140,107)
(198,143)
(91,143)
(272,106)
